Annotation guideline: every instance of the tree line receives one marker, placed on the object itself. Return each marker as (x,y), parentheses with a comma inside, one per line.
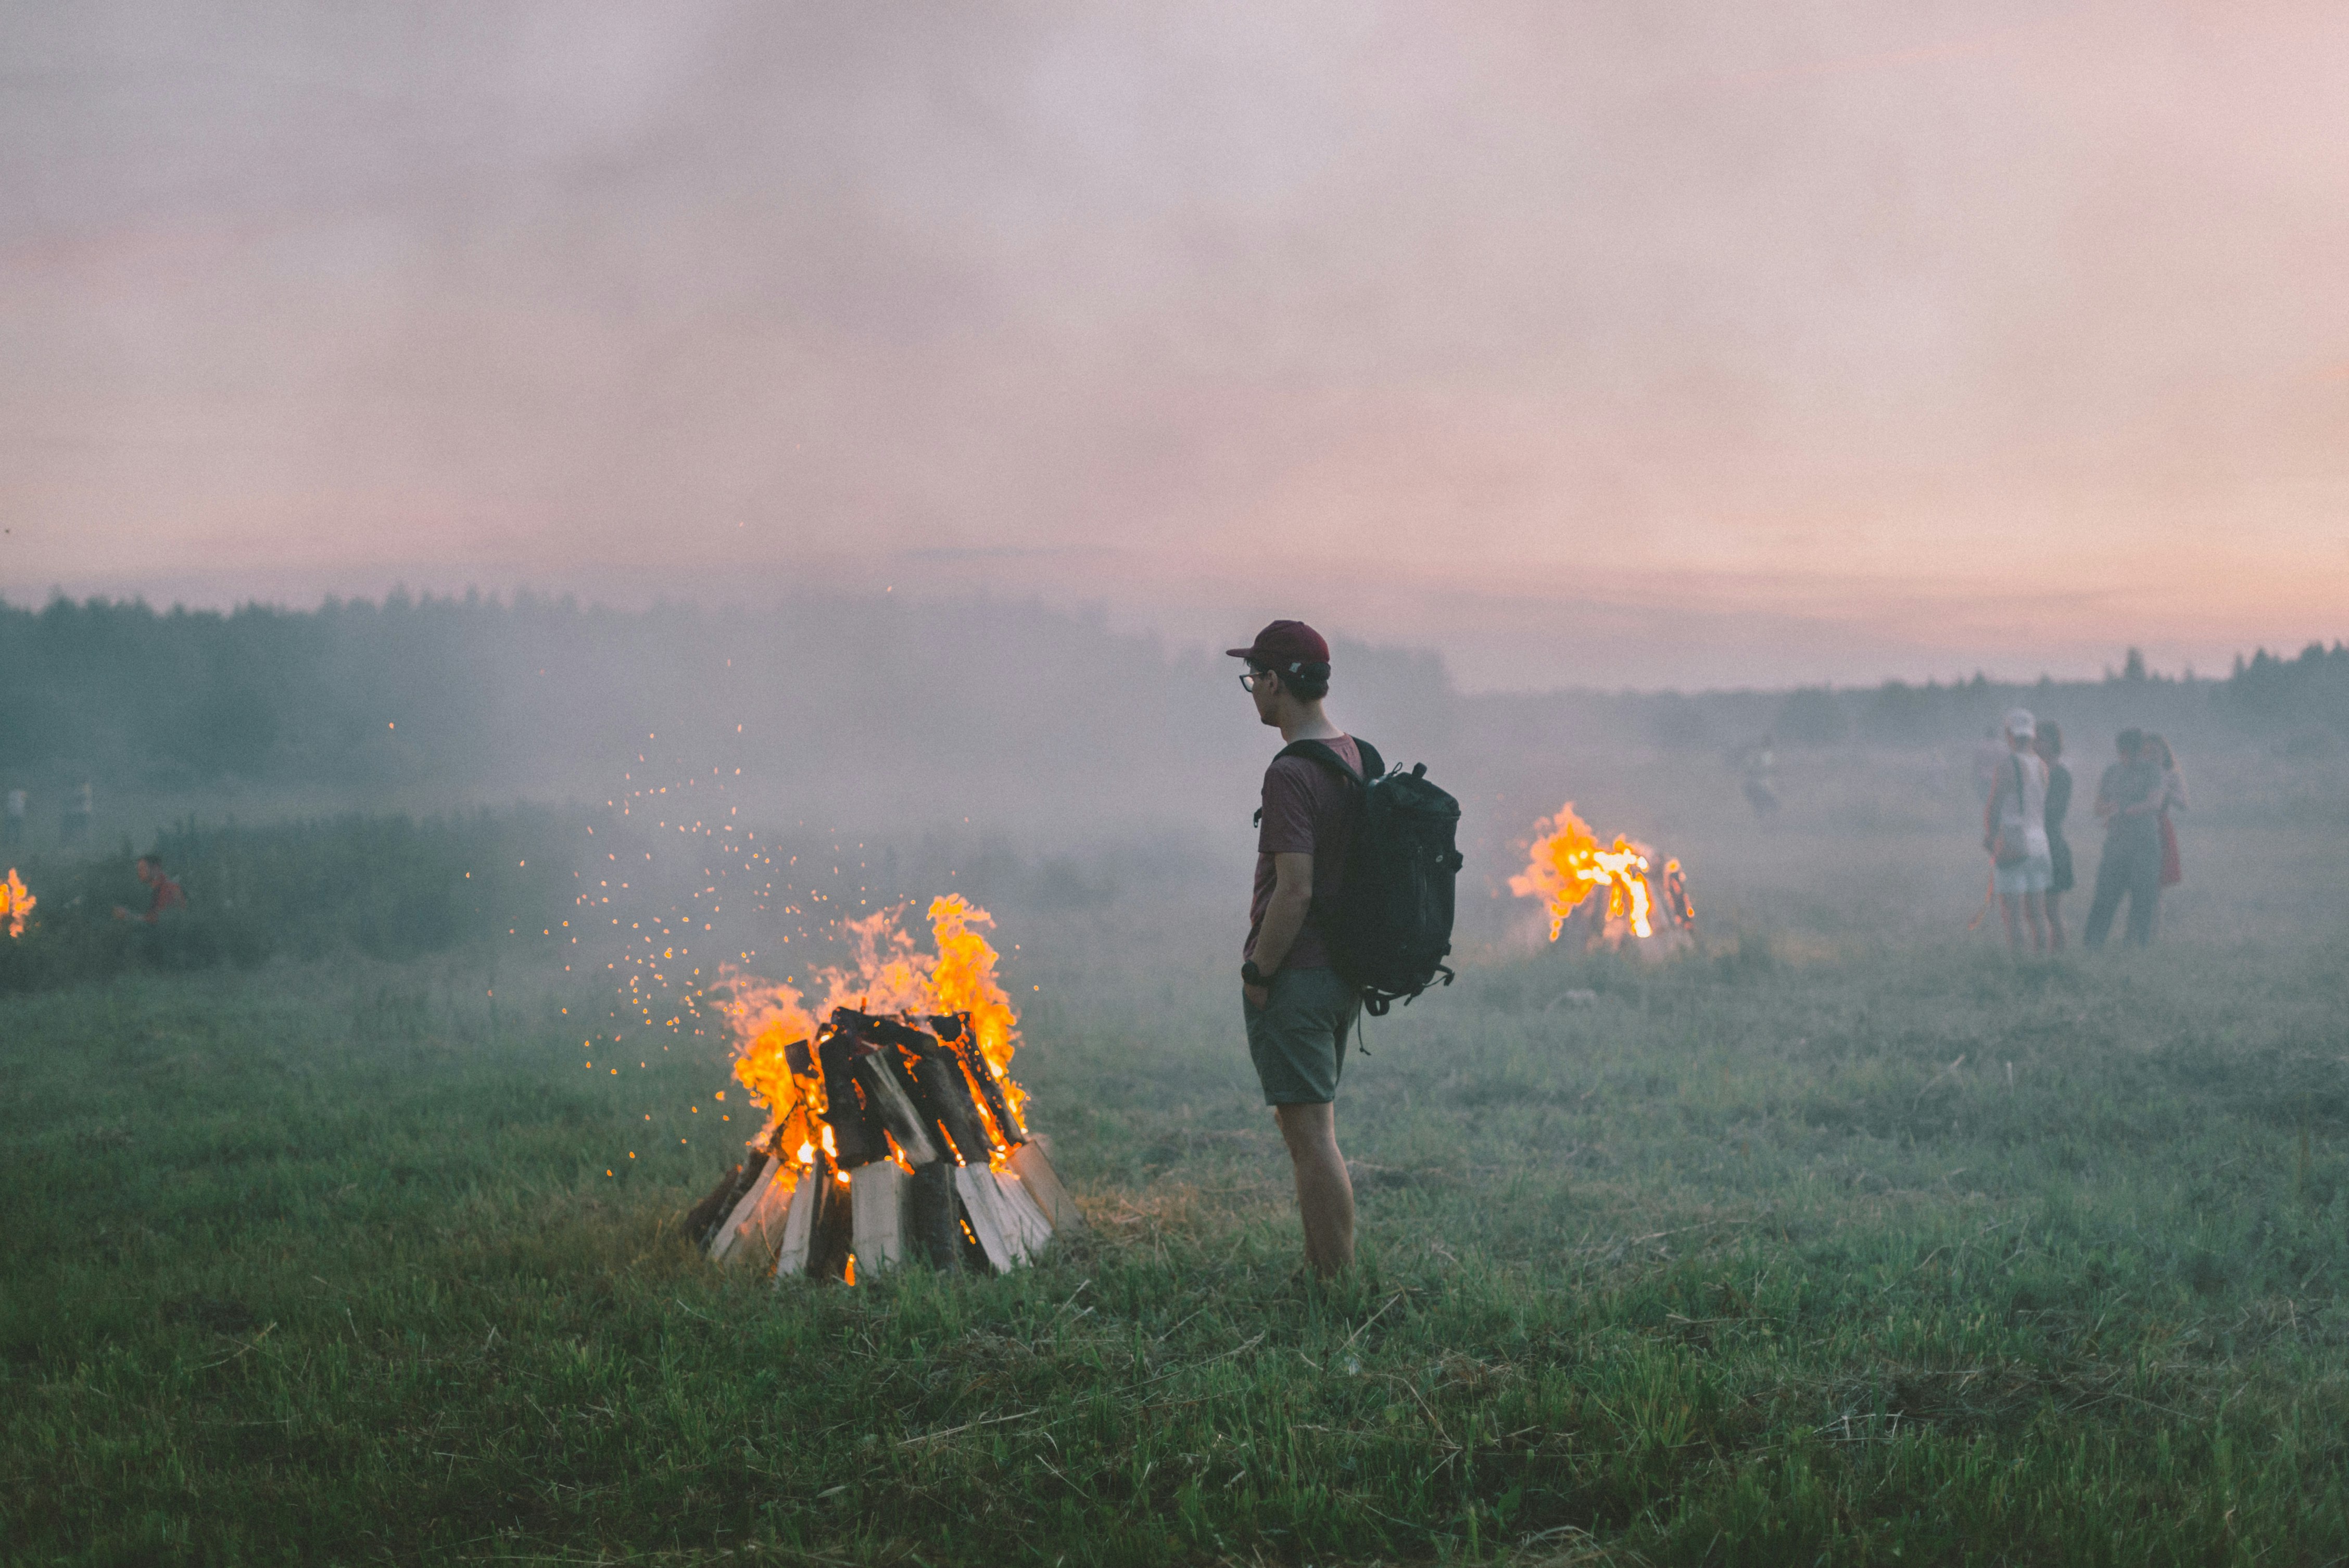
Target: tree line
(547,697)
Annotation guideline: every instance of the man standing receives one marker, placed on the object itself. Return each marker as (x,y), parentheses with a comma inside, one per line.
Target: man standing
(166,893)
(2129,799)
(1297,1007)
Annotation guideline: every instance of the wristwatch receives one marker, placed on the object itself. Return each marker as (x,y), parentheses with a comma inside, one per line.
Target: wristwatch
(1252,975)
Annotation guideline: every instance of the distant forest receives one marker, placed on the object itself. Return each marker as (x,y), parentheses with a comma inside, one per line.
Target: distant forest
(871,700)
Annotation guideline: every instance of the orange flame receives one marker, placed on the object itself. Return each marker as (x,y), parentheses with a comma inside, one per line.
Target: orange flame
(964,982)
(767,1019)
(15,902)
(887,973)
(1567,865)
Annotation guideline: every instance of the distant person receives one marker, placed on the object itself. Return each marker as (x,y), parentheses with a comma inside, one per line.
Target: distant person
(2173,799)
(2049,744)
(1297,1008)
(2014,832)
(12,823)
(2128,803)
(81,810)
(164,894)
(1760,763)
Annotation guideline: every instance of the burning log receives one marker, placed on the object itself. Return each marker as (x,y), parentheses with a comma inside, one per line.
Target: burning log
(917,1070)
(933,1218)
(756,1215)
(701,1220)
(922,1156)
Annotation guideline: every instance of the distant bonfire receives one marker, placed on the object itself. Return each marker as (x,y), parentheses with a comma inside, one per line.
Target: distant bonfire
(894,1129)
(15,904)
(1604,895)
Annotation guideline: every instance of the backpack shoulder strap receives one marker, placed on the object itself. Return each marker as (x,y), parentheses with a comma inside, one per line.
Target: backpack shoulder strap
(1324,754)
(1318,752)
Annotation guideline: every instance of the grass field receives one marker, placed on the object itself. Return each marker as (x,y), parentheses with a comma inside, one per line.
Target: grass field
(1844,1241)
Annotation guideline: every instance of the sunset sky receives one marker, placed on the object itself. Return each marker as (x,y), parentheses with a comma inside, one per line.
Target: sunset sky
(1617,342)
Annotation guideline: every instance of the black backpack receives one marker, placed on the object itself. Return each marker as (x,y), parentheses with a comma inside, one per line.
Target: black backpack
(1390,927)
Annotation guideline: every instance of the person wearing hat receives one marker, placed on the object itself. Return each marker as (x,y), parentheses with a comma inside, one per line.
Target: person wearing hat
(2014,832)
(1297,1008)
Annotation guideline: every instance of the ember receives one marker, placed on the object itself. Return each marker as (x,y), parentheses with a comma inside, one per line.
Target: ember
(15,904)
(894,1127)
(1569,866)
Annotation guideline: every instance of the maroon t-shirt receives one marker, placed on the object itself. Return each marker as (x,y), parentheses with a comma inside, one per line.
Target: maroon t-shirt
(168,895)
(1307,812)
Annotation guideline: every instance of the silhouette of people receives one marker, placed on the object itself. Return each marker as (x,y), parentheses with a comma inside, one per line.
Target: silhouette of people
(2049,744)
(165,894)
(1760,764)
(81,809)
(2128,801)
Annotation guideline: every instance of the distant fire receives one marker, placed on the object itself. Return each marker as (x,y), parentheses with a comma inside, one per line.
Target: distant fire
(1613,891)
(15,904)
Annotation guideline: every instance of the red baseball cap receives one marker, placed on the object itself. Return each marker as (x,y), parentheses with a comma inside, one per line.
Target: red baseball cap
(1284,646)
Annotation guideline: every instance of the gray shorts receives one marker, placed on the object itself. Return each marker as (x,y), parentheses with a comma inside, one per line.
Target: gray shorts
(1298,1037)
(2036,874)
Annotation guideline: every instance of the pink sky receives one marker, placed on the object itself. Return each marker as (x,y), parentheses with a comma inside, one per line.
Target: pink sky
(1630,343)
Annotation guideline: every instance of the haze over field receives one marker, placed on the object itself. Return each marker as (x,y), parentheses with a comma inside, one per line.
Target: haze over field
(1624,344)
(533,535)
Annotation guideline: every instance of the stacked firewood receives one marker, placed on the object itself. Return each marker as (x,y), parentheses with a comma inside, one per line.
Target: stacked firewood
(923,1156)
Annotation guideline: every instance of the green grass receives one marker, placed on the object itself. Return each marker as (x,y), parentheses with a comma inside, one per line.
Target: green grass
(1746,1260)
(383,887)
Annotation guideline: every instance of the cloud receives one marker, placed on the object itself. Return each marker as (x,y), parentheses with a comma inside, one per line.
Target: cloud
(1947,306)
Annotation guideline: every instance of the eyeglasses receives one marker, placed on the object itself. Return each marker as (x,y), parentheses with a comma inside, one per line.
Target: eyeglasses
(1250,677)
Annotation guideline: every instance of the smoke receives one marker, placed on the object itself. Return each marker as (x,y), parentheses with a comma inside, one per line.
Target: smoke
(1620,343)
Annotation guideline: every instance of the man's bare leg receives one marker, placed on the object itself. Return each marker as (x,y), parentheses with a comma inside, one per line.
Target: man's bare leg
(2055,923)
(2035,910)
(2006,912)
(1325,1193)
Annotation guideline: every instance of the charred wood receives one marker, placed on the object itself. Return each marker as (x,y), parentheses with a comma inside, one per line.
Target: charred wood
(933,1221)
(954,1031)
(886,1094)
(701,1220)
(856,1127)
(832,1234)
(754,1224)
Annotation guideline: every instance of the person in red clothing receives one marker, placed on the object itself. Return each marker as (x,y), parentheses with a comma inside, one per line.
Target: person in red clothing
(165,894)
(2173,799)
(1297,1008)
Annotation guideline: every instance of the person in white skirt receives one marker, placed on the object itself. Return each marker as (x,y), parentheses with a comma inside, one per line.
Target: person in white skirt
(2014,832)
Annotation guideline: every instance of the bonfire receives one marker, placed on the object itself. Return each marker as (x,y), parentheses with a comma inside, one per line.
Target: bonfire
(894,1129)
(1610,893)
(15,904)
